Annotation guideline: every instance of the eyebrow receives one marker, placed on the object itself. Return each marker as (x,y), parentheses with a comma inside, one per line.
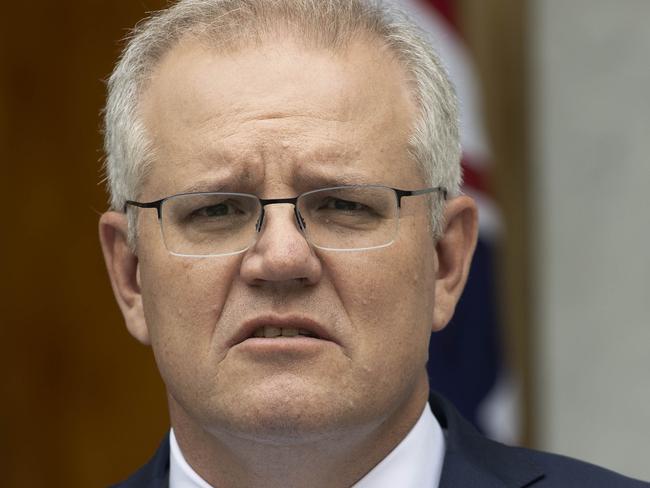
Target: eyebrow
(322,179)
(303,181)
(201,187)
(210,185)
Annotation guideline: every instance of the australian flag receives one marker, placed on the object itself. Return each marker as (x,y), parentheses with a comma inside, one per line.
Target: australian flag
(466,360)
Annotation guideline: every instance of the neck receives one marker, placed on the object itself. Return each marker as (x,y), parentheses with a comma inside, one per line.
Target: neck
(332,459)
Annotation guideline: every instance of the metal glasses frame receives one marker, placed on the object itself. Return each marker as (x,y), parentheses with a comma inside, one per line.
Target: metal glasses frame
(399,194)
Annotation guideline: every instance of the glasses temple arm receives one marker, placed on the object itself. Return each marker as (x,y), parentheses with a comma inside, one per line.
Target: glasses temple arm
(157,205)
(411,193)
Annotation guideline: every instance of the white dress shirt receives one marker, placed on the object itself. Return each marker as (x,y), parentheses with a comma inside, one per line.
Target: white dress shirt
(416,462)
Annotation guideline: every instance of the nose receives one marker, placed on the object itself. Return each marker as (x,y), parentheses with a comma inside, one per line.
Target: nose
(281,252)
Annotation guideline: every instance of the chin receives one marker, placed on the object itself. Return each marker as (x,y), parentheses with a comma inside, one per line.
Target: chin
(285,413)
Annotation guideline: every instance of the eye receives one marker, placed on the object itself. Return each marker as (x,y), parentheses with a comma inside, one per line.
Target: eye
(343,205)
(223,209)
(214,210)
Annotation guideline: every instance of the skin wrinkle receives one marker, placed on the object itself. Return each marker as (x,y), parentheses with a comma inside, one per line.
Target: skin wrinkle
(270,220)
(254,165)
(353,400)
(304,179)
(233,122)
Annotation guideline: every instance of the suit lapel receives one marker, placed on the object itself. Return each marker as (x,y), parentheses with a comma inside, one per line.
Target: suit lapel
(473,460)
(154,474)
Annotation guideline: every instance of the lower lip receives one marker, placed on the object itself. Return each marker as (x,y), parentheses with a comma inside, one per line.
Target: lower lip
(300,345)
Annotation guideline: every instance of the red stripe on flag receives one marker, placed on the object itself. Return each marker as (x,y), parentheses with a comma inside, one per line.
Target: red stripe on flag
(474,178)
(446,9)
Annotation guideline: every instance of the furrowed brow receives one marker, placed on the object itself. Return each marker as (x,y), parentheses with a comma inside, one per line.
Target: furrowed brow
(224,183)
(329,166)
(324,179)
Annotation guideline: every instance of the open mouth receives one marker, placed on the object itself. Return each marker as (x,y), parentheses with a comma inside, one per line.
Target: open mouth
(281,327)
(269,332)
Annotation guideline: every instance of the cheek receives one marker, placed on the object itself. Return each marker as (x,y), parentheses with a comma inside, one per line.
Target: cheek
(388,295)
(182,300)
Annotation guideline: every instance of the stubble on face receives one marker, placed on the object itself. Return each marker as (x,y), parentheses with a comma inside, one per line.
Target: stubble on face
(276,121)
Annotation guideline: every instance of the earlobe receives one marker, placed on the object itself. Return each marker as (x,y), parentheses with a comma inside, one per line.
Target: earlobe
(454,251)
(123,270)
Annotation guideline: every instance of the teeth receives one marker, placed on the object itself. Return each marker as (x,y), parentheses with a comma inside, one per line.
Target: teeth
(270,332)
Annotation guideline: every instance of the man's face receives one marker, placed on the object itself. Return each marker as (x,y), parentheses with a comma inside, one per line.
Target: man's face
(276,121)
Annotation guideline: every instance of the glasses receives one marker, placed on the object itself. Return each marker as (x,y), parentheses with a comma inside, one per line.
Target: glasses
(342,218)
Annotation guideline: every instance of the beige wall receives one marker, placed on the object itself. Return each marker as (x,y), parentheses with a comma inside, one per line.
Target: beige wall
(591,121)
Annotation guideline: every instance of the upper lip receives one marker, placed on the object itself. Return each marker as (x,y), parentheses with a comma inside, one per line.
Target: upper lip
(280,321)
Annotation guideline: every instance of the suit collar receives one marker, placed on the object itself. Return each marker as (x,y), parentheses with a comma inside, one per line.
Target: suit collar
(473,460)
(154,474)
(470,458)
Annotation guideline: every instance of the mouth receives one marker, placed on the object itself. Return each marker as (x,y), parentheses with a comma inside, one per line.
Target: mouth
(270,332)
(276,328)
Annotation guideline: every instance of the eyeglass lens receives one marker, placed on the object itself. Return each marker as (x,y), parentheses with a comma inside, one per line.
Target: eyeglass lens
(345,218)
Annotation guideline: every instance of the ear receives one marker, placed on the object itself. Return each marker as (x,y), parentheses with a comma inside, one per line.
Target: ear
(454,251)
(124,273)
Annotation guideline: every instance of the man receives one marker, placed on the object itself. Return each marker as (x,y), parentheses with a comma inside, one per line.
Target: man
(286,232)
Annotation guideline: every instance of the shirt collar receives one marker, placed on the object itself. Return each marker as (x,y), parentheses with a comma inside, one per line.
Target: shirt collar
(181,474)
(416,461)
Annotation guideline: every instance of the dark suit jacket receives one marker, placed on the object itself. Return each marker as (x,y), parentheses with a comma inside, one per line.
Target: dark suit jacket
(471,461)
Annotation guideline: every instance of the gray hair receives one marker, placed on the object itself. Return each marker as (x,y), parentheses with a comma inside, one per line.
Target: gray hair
(227,24)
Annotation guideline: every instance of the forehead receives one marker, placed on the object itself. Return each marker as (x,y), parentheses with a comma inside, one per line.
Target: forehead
(277,112)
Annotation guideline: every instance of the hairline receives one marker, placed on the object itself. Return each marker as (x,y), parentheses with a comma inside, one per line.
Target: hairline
(136,171)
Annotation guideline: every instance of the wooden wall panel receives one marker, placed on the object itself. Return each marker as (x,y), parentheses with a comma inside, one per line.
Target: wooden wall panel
(82,404)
